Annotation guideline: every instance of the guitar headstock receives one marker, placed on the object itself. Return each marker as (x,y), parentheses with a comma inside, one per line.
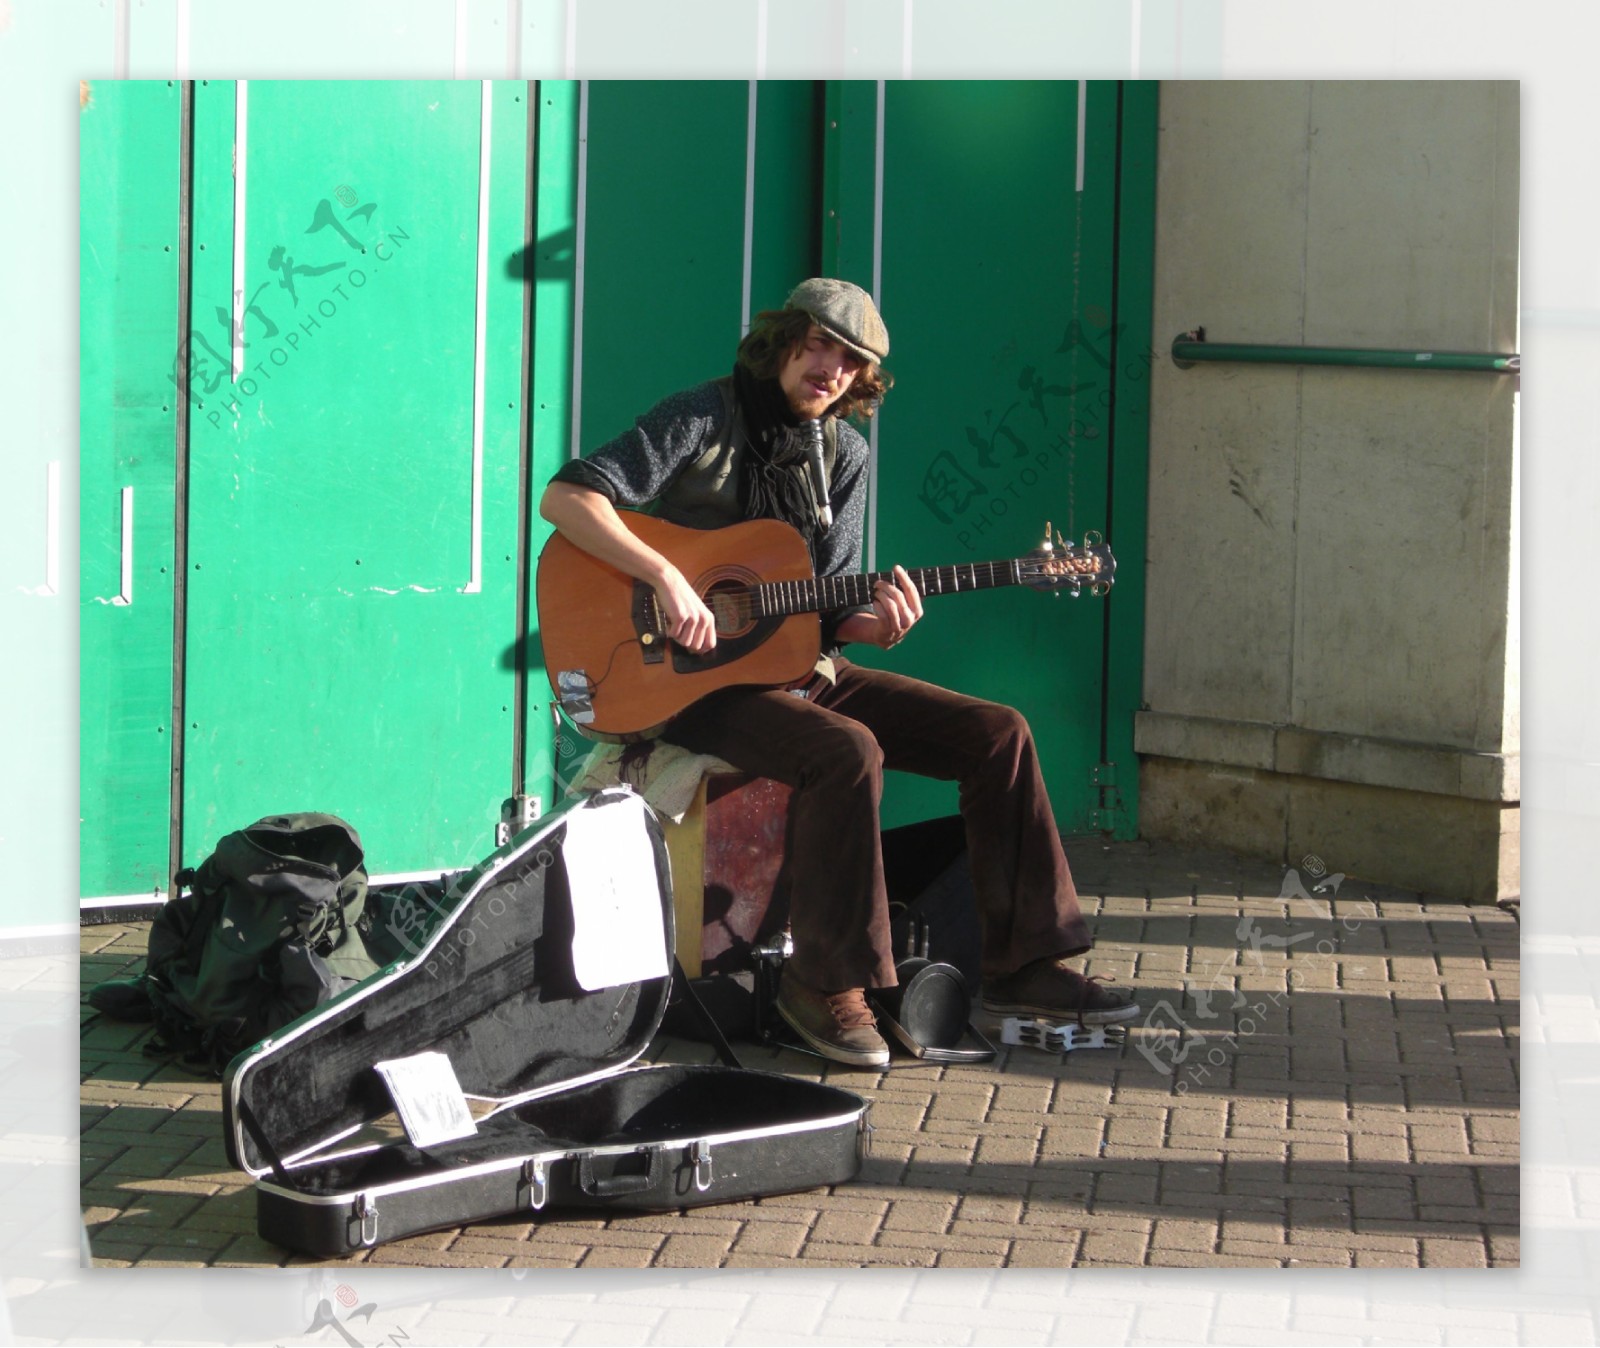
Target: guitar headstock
(1074,567)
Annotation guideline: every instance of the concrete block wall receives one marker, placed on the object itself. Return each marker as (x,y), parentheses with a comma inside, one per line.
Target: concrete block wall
(1331,629)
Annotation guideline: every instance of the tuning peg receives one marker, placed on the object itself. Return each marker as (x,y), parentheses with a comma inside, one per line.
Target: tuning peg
(1047,546)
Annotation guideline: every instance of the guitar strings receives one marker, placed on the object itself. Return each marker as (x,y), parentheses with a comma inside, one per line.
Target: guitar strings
(739,608)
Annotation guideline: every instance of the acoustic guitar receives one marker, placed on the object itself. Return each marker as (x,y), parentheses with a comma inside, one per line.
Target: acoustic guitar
(616,675)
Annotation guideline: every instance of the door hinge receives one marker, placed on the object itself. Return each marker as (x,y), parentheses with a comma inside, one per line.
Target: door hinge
(516,814)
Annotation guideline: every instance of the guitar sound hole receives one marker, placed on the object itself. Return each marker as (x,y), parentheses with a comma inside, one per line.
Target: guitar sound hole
(731,605)
(727,594)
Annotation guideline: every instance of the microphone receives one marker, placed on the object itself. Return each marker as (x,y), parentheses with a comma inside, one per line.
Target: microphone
(819,475)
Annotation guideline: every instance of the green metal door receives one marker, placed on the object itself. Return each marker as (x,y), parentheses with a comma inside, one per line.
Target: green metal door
(985,215)
(354,460)
(129,236)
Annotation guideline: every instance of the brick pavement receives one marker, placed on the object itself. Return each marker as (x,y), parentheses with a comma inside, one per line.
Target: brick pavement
(1316,1082)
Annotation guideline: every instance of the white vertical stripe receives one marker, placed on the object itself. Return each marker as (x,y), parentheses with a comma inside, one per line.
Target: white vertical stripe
(877,298)
(119,39)
(1138,24)
(480,340)
(577,268)
(905,39)
(749,210)
(125,595)
(1083,110)
(240,145)
(572,39)
(180,64)
(761,39)
(458,54)
(52,530)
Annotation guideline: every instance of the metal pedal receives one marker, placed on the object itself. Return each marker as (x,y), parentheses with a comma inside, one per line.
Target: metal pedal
(1041,1034)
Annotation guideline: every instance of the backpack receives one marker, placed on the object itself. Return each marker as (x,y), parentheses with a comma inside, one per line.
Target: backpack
(273,923)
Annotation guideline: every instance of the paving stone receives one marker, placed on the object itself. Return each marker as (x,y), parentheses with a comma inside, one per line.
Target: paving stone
(1179,1234)
(990,1208)
(780,1239)
(1126,1248)
(851,1228)
(1132,1190)
(1032,1099)
(1505,1251)
(1384,1259)
(974,1259)
(992,1151)
(875,1256)
(691,1251)
(1444,1252)
(947,1240)
(619,1256)
(1062,1253)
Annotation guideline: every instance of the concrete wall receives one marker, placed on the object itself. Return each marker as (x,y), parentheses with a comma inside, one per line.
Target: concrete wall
(1331,634)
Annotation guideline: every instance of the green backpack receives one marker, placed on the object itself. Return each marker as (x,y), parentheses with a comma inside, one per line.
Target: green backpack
(273,923)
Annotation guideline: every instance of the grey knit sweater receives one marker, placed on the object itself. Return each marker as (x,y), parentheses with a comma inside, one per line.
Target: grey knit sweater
(640,464)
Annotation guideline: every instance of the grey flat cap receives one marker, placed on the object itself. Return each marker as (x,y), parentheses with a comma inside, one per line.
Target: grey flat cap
(846,311)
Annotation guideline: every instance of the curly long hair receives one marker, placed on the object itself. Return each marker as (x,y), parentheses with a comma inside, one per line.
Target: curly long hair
(776,334)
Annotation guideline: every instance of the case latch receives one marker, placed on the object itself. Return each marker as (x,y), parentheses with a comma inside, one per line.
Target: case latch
(367,1215)
(700,1154)
(864,1134)
(537,1179)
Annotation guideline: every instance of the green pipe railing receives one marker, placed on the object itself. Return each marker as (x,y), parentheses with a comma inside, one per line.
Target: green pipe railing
(1191,347)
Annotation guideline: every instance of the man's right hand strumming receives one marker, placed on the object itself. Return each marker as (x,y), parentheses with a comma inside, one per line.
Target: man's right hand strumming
(589,521)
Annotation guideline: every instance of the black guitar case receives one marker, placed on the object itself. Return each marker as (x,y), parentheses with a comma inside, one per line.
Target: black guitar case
(509,1083)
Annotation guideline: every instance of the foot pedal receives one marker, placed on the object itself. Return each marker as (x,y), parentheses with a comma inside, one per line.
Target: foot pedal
(1041,1034)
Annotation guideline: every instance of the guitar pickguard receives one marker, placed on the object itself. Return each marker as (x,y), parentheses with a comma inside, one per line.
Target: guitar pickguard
(727,649)
(726,591)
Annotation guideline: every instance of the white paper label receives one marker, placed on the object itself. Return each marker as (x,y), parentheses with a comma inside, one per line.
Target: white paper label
(428,1098)
(619,932)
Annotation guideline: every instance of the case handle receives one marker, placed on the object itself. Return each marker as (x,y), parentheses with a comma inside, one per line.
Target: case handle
(622,1181)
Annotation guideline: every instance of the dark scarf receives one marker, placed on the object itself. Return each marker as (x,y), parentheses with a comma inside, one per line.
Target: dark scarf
(773,483)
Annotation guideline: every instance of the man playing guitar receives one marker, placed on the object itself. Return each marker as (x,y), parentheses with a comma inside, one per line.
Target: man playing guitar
(774,442)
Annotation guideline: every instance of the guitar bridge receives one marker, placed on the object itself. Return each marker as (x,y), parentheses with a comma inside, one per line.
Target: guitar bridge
(647,624)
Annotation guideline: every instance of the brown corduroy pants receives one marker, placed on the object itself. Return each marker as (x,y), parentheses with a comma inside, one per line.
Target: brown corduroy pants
(832,747)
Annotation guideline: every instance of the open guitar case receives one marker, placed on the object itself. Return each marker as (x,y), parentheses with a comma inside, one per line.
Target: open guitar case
(507,1047)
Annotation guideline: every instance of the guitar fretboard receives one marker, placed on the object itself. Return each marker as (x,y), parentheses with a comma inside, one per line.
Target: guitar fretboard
(773,599)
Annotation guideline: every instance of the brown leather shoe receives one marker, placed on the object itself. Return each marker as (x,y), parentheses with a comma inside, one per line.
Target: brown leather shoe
(838,1025)
(1048,989)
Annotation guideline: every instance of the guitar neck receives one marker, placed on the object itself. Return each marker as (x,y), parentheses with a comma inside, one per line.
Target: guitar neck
(824,594)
